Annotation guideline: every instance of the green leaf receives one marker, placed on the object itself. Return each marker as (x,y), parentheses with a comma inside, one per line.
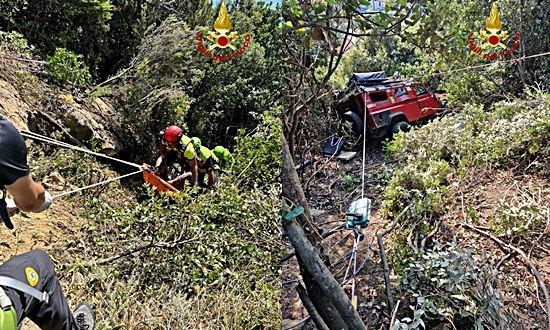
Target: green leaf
(364,2)
(319,9)
(294,213)
(331,2)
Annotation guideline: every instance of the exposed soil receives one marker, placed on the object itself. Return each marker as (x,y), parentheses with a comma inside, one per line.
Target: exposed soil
(40,231)
(333,185)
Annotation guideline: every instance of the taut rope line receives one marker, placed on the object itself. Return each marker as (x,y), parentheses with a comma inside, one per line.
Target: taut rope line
(42,138)
(66,145)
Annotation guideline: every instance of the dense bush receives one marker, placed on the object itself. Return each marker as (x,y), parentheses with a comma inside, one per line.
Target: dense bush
(419,183)
(66,66)
(518,129)
(259,158)
(452,285)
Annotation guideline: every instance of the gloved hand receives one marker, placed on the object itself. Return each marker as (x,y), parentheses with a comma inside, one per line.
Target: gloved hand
(11,207)
(155,170)
(48,201)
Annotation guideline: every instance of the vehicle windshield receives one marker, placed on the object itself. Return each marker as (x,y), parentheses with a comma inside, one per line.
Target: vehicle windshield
(419,90)
(378,96)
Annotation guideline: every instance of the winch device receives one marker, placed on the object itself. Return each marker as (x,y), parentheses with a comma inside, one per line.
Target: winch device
(359,213)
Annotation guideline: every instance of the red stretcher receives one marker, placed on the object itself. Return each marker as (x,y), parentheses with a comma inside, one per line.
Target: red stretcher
(159,184)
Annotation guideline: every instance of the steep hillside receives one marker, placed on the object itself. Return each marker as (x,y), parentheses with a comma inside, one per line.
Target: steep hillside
(144,261)
(470,248)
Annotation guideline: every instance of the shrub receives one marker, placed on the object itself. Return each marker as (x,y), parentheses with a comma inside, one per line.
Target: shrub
(514,129)
(16,42)
(419,183)
(258,153)
(518,220)
(449,284)
(66,66)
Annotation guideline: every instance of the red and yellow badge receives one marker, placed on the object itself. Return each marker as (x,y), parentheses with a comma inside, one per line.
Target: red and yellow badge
(222,39)
(493,39)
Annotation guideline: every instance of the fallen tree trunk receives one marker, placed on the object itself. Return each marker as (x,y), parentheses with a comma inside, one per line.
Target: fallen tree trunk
(325,293)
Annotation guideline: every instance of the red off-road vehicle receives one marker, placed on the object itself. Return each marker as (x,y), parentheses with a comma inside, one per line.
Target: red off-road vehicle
(389,104)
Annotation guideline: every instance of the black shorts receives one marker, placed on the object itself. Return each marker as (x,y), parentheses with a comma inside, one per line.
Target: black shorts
(36,269)
(208,165)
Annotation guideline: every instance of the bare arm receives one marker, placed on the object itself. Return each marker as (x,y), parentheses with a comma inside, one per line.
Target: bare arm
(210,179)
(28,195)
(159,160)
(193,165)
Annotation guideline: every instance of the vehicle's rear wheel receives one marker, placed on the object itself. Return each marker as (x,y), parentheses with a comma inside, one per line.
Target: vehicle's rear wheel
(356,123)
(403,125)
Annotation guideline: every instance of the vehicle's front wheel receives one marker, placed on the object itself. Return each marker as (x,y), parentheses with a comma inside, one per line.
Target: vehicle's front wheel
(403,125)
(356,123)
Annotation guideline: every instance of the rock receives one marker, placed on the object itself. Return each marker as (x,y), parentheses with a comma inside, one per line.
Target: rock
(84,119)
(93,123)
(12,106)
(55,177)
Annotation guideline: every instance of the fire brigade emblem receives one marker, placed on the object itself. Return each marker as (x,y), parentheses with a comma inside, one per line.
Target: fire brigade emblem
(493,39)
(493,25)
(222,25)
(222,38)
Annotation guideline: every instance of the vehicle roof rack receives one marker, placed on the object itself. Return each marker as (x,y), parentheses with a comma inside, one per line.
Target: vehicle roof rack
(367,78)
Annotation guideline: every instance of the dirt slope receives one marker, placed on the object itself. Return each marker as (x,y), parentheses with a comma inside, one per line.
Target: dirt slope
(473,201)
(40,231)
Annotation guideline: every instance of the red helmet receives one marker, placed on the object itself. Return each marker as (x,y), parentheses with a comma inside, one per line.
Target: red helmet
(173,134)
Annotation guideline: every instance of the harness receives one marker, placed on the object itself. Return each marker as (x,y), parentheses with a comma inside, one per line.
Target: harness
(180,149)
(8,316)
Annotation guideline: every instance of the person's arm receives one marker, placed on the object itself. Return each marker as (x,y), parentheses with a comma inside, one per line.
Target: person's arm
(210,179)
(159,161)
(28,195)
(230,157)
(193,166)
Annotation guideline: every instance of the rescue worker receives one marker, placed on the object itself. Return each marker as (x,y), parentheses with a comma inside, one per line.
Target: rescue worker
(207,160)
(29,286)
(176,148)
(224,156)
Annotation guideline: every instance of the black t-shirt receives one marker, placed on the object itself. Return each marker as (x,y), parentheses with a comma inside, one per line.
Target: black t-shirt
(13,154)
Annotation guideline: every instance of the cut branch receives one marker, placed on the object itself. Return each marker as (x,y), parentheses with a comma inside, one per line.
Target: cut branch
(527,260)
(385,259)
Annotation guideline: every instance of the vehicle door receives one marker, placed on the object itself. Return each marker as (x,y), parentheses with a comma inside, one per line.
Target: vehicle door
(378,107)
(426,102)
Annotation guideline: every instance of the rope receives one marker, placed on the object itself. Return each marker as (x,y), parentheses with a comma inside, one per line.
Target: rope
(42,138)
(66,145)
(357,237)
(364,147)
(481,65)
(49,139)
(95,184)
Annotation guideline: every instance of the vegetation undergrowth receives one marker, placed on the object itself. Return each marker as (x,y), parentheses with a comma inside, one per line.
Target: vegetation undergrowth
(454,285)
(199,260)
(513,133)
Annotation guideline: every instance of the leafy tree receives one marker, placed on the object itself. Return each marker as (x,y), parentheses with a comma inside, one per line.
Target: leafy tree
(232,94)
(170,82)
(315,37)
(194,13)
(126,29)
(78,26)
